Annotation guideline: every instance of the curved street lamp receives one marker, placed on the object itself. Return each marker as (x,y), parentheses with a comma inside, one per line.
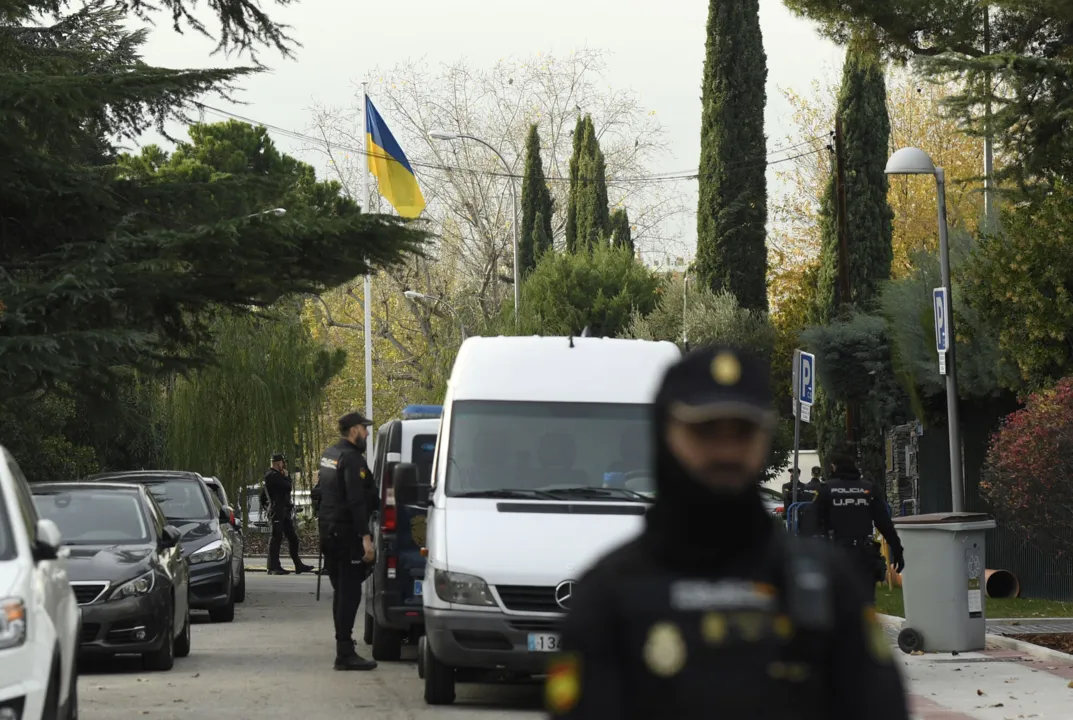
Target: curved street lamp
(415,296)
(448,135)
(914,161)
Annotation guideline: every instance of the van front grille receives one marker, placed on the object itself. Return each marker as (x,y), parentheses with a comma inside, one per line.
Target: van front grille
(528,598)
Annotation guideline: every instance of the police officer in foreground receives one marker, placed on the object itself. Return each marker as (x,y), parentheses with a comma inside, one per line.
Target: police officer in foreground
(712,612)
(347,499)
(276,498)
(847,507)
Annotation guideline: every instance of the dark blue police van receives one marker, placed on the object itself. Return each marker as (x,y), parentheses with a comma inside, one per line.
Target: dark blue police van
(393,603)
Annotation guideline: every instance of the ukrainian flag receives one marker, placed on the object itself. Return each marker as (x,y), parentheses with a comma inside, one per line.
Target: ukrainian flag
(388,163)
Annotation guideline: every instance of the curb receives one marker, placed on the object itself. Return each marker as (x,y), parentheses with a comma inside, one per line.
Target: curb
(1004,642)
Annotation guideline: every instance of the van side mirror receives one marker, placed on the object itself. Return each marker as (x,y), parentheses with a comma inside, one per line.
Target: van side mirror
(405,484)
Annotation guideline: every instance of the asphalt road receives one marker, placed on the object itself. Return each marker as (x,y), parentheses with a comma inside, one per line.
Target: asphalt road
(275,661)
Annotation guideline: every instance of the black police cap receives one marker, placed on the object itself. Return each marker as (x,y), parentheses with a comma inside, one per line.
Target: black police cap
(279,457)
(719,383)
(351,419)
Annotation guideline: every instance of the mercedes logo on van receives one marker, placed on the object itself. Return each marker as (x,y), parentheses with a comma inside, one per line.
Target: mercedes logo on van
(563,592)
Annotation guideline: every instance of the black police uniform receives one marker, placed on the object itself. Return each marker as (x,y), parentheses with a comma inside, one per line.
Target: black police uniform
(713,612)
(347,500)
(847,508)
(278,489)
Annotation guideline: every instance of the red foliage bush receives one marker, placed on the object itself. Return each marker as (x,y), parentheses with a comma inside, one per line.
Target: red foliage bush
(1029,476)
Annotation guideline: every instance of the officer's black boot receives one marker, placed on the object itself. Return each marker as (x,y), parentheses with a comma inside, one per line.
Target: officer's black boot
(303,568)
(347,659)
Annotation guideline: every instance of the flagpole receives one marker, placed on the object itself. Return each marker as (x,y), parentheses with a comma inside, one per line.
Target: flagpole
(367,207)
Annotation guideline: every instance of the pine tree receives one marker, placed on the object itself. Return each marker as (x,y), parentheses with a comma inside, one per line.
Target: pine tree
(592,213)
(621,235)
(536,206)
(732,211)
(571,206)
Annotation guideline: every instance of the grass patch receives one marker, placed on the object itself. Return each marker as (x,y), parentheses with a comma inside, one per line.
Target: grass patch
(889,602)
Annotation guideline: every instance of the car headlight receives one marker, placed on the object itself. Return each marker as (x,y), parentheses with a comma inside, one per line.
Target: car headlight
(462,589)
(12,623)
(138,586)
(212,552)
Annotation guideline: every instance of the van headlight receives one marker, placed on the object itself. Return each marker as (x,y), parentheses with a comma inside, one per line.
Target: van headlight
(462,589)
(12,623)
(140,585)
(212,552)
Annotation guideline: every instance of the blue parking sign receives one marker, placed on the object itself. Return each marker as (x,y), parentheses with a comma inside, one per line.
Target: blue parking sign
(941,305)
(806,378)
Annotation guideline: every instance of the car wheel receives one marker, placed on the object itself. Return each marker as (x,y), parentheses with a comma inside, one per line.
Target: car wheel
(439,679)
(163,659)
(51,708)
(227,612)
(387,643)
(367,635)
(71,710)
(240,589)
(182,645)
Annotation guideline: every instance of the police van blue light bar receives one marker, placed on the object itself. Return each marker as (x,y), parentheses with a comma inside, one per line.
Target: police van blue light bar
(419,412)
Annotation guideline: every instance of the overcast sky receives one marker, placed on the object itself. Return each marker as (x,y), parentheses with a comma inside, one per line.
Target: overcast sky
(656,46)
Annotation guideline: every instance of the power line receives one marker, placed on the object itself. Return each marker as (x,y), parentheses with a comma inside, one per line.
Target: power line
(659,177)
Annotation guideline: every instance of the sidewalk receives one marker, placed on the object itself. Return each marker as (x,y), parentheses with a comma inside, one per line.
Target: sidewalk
(260,564)
(994,684)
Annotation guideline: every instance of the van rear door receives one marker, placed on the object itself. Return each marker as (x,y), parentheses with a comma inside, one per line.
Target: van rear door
(410,533)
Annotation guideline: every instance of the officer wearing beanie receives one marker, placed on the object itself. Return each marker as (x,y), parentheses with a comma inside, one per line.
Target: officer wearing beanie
(347,500)
(711,611)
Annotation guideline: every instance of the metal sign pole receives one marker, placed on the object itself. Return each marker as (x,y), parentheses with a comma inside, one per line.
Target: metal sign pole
(797,425)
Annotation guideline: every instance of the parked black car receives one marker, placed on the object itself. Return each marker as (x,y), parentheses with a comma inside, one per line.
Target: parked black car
(234,530)
(206,539)
(126,569)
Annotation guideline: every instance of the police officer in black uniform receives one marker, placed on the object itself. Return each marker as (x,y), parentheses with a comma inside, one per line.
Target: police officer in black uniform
(347,500)
(276,497)
(812,487)
(847,508)
(788,489)
(711,611)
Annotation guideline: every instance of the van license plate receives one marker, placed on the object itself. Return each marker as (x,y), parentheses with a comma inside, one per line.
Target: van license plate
(417,587)
(543,643)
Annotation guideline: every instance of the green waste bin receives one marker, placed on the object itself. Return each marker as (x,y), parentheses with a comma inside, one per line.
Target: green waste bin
(943,582)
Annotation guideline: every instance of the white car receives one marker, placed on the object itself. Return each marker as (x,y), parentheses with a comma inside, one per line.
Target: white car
(39,616)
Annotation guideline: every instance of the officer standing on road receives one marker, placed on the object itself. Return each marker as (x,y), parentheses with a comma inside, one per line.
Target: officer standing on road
(812,487)
(788,489)
(347,499)
(712,612)
(847,508)
(276,496)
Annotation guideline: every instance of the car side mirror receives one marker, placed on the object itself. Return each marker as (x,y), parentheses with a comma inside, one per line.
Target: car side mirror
(405,484)
(171,536)
(227,515)
(47,540)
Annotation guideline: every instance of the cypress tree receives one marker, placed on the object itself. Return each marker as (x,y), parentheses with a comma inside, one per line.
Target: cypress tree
(592,215)
(536,205)
(541,239)
(621,237)
(732,210)
(571,206)
(862,104)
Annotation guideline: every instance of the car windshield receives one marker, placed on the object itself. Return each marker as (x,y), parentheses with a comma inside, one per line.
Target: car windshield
(549,451)
(94,517)
(180,499)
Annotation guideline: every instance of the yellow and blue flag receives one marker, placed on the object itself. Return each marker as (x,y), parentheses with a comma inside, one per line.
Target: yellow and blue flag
(388,163)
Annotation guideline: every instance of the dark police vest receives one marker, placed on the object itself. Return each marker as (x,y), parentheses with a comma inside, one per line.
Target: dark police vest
(851,507)
(753,647)
(333,514)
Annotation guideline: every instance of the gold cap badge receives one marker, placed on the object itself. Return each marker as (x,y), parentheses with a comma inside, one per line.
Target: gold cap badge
(726,369)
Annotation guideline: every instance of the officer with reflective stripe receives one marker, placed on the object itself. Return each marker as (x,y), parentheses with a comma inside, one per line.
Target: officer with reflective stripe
(712,612)
(846,509)
(347,495)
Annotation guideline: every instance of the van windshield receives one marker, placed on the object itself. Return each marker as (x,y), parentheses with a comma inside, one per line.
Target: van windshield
(544,448)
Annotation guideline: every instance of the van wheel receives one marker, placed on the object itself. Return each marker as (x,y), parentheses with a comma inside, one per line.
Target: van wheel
(367,635)
(51,709)
(439,679)
(387,643)
(421,657)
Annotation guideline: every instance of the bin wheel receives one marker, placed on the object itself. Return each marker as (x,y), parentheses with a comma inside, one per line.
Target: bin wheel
(910,641)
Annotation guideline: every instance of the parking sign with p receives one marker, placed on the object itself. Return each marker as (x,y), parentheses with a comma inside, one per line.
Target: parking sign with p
(942,313)
(806,378)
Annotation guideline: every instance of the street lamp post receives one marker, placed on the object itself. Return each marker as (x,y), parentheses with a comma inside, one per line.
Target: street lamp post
(913,161)
(422,297)
(447,135)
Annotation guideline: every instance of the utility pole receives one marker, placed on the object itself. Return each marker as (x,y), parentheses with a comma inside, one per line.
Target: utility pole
(845,292)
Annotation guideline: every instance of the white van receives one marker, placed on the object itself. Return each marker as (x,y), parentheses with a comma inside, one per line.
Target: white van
(543,445)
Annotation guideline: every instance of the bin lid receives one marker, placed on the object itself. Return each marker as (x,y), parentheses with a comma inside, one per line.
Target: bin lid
(947,521)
